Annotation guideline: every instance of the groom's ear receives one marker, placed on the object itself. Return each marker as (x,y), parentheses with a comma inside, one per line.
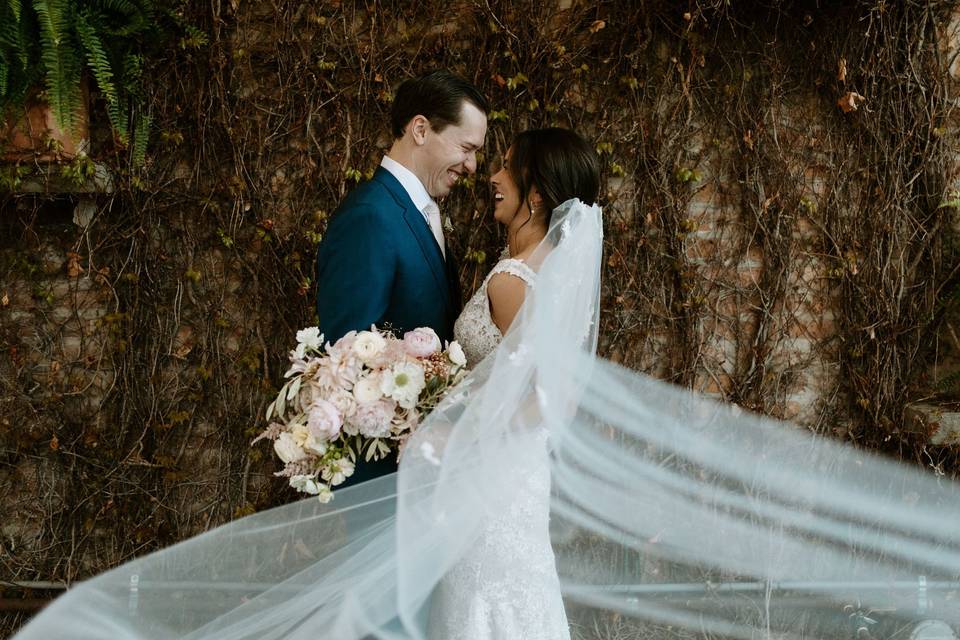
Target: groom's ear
(418,128)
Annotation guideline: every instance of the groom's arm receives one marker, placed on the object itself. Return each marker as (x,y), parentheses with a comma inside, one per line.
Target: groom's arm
(356,263)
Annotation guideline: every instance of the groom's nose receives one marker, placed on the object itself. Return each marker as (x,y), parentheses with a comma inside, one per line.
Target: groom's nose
(471,162)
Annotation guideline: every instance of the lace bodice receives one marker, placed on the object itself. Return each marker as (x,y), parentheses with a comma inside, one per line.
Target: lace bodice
(474,329)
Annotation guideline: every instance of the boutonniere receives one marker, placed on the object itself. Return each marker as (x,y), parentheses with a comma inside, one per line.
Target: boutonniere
(447,224)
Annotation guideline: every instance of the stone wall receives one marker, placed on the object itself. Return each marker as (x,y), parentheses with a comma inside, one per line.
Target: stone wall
(138,348)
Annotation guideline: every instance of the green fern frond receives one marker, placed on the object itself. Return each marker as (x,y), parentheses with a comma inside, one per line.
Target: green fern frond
(137,16)
(118,119)
(59,62)
(16,8)
(4,79)
(96,58)
(141,136)
(133,75)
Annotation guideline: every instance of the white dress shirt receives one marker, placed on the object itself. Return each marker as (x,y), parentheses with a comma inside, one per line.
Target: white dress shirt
(421,199)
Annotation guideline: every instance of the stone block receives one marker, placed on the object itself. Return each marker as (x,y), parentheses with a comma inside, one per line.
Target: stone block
(941,423)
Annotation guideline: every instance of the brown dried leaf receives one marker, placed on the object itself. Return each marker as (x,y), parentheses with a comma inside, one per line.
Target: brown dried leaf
(5,300)
(748,139)
(54,443)
(597,26)
(850,101)
(73,264)
(842,70)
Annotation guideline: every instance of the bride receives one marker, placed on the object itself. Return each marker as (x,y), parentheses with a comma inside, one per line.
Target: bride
(553,494)
(506,585)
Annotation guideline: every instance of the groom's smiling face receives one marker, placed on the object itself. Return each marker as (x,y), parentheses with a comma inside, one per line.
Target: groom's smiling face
(452,152)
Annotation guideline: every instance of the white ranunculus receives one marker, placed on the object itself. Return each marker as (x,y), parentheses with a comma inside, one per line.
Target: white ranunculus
(287,448)
(403,383)
(368,345)
(309,338)
(367,390)
(306,484)
(456,354)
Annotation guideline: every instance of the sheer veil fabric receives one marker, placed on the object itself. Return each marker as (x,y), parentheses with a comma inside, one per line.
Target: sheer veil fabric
(671,515)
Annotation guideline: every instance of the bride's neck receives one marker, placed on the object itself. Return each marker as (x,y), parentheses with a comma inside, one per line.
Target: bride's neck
(523,240)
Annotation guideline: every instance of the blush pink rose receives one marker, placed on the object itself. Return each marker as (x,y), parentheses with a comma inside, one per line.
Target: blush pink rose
(422,342)
(324,420)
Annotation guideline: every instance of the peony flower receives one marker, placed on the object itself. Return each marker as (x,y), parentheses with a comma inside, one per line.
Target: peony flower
(367,389)
(344,401)
(403,383)
(340,370)
(324,420)
(287,448)
(309,338)
(422,342)
(337,471)
(368,346)
(305,484)
(456,354)
(373,420)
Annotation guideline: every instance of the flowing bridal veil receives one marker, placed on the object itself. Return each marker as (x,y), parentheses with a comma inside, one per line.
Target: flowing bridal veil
(671,515)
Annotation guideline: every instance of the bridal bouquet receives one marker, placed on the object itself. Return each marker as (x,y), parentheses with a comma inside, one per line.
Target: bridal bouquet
(362,396)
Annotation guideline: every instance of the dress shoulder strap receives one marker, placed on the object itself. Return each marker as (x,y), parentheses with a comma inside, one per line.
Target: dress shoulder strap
(516,268)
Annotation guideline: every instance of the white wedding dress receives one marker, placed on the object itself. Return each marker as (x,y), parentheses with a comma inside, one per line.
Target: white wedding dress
(506,586)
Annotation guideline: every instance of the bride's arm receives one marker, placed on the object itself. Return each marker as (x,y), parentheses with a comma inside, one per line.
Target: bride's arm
(505,293)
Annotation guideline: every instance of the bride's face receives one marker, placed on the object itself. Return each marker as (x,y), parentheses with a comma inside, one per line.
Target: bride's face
(507,203)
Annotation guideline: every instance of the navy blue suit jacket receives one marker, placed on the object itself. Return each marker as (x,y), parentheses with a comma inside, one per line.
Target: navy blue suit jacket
(379,263)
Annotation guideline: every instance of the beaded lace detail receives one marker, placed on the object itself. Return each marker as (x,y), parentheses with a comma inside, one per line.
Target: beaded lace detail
(506,586)
(474,329)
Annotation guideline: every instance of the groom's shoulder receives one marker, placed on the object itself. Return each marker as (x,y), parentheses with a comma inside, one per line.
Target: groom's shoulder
(369,198)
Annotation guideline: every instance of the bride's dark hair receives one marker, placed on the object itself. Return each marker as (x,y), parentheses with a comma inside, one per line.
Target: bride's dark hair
(559,163)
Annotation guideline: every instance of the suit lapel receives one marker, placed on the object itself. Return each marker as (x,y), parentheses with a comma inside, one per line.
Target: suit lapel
(419,228)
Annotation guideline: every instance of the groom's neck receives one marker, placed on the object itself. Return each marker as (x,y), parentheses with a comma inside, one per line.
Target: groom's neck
(405,154)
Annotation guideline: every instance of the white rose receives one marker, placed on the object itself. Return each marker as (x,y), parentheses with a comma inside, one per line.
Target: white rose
(305,484)
(367,390)
(287,448)
(368,345)
(456,354)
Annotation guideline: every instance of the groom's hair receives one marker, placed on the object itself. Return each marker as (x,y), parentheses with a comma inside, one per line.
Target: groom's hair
(438,96)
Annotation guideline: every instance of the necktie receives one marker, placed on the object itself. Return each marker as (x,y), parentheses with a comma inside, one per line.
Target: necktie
(432,211)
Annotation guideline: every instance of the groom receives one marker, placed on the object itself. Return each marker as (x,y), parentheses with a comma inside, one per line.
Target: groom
(383,259)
